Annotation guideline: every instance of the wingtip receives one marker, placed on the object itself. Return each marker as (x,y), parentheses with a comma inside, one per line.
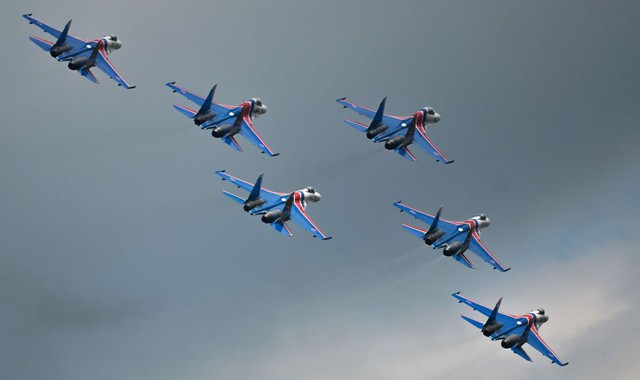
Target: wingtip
(170,83)
(275,154)
(327,238)
(339,99)
(506,270)
(131,87)
(450,162)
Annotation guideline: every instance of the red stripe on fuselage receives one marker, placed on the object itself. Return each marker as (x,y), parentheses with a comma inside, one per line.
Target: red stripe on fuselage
(297,199)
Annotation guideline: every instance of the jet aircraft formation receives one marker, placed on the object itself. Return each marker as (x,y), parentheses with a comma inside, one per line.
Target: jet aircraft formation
(276,209)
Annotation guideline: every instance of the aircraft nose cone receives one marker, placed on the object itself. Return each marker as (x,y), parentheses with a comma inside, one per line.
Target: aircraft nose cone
(318,195)
(436,118)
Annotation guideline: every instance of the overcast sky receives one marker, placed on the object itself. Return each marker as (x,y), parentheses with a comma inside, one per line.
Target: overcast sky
(121,259)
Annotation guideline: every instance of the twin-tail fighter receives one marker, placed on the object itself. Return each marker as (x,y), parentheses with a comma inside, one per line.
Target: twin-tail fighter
(225,121)
(398,132)
(275,208)
(512,330)
(455,238)
(81,54)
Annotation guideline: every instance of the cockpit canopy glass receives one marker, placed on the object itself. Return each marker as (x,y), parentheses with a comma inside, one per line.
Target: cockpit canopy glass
(483,217)
(258,102)
(311,190)
(113,38)
(430,111)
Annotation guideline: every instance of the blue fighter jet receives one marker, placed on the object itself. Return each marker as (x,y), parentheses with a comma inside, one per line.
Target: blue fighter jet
(81,54)
(276,208)
(225,121)
(397,132)
(512,330)
(454,237)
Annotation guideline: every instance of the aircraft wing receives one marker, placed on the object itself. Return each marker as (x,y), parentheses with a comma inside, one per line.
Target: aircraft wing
(423,141)
(217,108)
(267,195)
(254,138)
(388,120)
(505,319)
(476,246)
(443,224)
(536,342)
(299,215)
(104,64)
(75,43)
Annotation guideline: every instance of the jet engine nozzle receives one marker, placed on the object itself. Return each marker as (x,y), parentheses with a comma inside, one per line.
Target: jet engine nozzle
(393,143)
(376,131)
(59,50)
(432,237)
(453,248)
(510,341)
(203,118)
(271,216)
(250,205)
(77,63)
(489,330)
(219,132)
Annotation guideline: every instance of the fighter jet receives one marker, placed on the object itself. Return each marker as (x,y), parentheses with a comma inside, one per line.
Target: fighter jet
(81,54)
(225,121)
(454,237)
(512,330)
(276,208)
(398,132)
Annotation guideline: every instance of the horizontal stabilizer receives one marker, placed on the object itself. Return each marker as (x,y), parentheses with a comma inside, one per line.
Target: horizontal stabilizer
(358,126)
(406,153)
(415,231)
(188,112)
(282,227)
(234,197)
(473,322)
(89,75)
(44,44)
(462,259)
(231,141)
(522,353)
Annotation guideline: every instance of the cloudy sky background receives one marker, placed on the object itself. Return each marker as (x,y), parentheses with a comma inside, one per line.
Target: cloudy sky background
(120,257)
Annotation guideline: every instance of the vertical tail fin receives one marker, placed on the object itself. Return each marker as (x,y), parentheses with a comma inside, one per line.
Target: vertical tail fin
(255,192)
(411,131)
(92,59)
(63,36)
(377,118)
(206,106)
(494,313)
(467,240)
(239,119)
(286,211)
(434,224)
